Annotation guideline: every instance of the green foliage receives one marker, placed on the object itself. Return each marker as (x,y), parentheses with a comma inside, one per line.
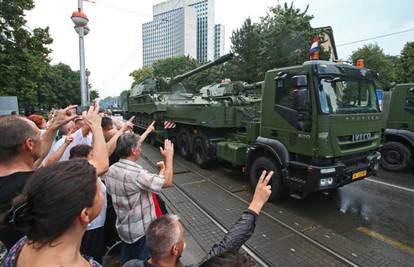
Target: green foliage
(405,70)
(61,87)
(170,67)
(140,75)
(376,60)
(281,38)
(246,65)
(24,63)
(123,99)
(93,94)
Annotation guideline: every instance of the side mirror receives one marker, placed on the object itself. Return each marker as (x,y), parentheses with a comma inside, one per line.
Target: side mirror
(301,99)
(300,81)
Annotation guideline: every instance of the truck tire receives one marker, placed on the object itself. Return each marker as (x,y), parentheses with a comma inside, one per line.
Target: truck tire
(260,164)
(184,142)
(395,156)
(200,152)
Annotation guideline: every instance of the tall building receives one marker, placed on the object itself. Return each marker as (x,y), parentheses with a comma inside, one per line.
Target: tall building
(170,34)
(218,40)
(180,27)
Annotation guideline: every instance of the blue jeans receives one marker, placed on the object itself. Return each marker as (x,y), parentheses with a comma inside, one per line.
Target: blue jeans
(137,250)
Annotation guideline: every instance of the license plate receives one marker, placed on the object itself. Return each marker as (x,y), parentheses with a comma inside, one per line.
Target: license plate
(359,174)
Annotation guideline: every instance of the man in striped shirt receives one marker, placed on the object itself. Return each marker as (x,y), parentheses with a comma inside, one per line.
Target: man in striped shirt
(130,187)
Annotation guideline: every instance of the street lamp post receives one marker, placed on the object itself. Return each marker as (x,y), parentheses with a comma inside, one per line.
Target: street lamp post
(80,20)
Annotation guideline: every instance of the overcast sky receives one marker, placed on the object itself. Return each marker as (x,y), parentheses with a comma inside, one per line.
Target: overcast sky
(114,44)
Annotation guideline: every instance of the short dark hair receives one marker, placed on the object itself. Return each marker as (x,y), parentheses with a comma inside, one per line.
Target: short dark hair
(126,143)
(106,122)
(52,198)
(228,259)
(80,151)
(14,130)
(161,235)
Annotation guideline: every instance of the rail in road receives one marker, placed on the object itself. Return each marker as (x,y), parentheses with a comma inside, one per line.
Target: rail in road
(275,241)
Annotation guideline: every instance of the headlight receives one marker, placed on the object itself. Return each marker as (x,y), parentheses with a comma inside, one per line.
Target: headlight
(326,181)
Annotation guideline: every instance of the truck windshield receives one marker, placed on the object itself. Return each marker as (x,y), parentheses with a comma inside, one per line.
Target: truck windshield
(339,95)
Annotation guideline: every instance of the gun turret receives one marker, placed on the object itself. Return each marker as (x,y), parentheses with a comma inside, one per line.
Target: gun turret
(216,62)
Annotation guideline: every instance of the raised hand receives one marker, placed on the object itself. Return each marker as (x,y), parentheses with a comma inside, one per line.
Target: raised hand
(129,125)
(92,117)
(63,116)
(161,167)
(69,138)
(262,192)
(168,150)
(151,127)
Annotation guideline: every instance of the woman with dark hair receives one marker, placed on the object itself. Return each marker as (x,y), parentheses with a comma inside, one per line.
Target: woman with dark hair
(57,204)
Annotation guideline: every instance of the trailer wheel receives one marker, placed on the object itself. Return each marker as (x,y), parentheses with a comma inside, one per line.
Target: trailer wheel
(184,144)
(395,156)
(260,164)
(200,152)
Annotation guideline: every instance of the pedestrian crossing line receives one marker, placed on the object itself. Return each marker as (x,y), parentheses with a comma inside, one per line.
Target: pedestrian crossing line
(394,243)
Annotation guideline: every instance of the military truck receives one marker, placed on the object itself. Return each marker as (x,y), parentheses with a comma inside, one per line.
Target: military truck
(317,125)
(398,108)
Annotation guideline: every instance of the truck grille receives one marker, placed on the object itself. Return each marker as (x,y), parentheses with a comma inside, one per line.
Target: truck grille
(348,142)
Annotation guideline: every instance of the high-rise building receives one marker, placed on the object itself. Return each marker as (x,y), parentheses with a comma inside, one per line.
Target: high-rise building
(180,27)
(218,40)
(170,34)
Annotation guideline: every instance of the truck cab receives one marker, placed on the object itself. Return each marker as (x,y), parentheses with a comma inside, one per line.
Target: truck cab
(321,128)
(398,108)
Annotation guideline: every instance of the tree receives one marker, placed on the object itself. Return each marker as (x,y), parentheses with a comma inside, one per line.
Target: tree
(245,42)
(376,60)
(140,75)
(123,100)
(62,86)
(405,70)
(281,38)
(93,94)
(170,67)
(24,56)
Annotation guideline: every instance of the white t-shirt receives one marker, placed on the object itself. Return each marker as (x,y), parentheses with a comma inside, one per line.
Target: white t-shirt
(78,139)
(99,221)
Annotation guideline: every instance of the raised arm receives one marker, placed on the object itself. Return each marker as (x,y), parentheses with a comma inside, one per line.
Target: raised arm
(243,229)
(55,157)
(61,117)
(100,157)
(145,134)
(111,145)
(168,153)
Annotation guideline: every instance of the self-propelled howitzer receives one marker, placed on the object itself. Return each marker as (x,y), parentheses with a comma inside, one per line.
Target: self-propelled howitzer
(150,99)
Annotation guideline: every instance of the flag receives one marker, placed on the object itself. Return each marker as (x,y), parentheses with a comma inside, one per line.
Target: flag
(314,49)
(169,125)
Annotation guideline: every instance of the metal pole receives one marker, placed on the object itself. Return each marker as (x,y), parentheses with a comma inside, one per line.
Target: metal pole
(84,92)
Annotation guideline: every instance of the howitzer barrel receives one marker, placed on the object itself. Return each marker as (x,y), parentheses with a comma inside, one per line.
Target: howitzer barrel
(216,62)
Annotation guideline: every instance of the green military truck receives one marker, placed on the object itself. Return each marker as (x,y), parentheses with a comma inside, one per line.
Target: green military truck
(317,125)
(398,109)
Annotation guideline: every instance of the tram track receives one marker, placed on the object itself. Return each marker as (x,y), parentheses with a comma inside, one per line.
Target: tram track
(256,255)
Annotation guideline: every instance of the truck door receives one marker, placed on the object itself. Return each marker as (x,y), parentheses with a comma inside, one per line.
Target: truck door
(290,118)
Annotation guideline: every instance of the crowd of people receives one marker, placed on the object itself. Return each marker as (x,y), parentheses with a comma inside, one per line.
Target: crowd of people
(70,183)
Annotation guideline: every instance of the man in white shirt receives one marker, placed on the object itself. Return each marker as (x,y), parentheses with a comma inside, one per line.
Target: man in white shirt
(80,137)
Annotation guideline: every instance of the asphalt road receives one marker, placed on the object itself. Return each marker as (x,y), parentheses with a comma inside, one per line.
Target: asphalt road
(377,212)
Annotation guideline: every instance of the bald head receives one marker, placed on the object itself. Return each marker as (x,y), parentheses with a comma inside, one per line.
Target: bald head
(14,132)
